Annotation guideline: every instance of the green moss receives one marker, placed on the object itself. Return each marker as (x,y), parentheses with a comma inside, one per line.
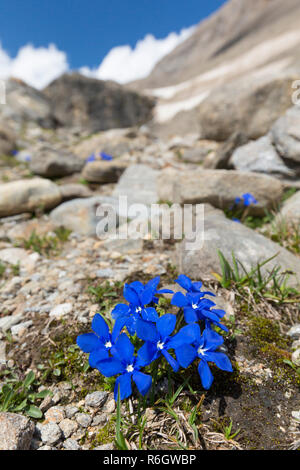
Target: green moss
(106,434)
(263,331)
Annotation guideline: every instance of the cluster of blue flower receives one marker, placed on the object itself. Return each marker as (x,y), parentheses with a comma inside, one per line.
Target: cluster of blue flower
(102,156)
(113,354)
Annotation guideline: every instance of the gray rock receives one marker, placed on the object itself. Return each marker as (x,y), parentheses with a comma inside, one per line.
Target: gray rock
(55,414)
(219,188)
(96,105)
(296,357)
(199,259)
(220,159)
(80,215)
(2,352)
(96,399)
(286,135)
(50,163)
(21,327)
(74,191)
(61,310)
(260,156)
(84,419)
(296,415)
(251,106)
(50,433)
(105,273)
(103,171)
(71,444)
(71,411)
(68,427)
(294,332)
(290,211)
(26,104)
(139,184)
(16,432)
(7,322)
(28,196)
(199,153)
(7,139)
(109,446)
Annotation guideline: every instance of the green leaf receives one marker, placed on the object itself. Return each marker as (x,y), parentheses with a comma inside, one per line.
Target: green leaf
(29,379)
(34,412)
(43,394)
(120,439)
(57,372)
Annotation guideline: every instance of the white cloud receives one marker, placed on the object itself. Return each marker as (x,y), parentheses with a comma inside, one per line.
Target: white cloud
(36,66)
(124,64)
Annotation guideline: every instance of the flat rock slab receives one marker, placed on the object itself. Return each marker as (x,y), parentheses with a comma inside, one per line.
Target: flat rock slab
(18,256)
(139,184)
(103,171)
(16,432)
(290,212)
(219,188)
(260,156)
(52,163)
(200,260)
(28,196)
(82,215)
(286,135)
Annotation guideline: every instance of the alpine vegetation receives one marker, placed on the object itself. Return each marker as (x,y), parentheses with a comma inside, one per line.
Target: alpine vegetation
(141,336)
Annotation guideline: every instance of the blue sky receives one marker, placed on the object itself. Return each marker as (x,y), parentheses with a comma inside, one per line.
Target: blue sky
(86,30)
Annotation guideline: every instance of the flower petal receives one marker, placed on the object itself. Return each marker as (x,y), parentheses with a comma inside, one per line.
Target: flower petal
(123,349)
(179,300)
(146,354)
(184,282)
(185,355)
(147,295)
(100,327)
(173,363)
(187,335)
(205,374)
(166,324)
(125,386)
(150,314)
(212,340)
(120,310)
(142,381)
(190,315)
(220,359)
(146,331)
(88,342)
(110,367)
(130,295)
(98,355)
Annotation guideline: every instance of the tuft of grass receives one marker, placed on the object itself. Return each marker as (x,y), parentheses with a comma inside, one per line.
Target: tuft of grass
(48,245)
(272,285)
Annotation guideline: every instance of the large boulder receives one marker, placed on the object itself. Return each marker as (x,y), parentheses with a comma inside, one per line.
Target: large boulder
(260,156)
(28,195)
(83,215)
(16,432)
(51,163)
(286,136)
(26,104)
(290,211)
(7,139)
(199,259)
(250,106)
(219,188)
(139,184)
(96,105)
(103,171)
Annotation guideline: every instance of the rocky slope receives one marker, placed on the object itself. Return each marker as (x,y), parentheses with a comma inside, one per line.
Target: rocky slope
(231,57)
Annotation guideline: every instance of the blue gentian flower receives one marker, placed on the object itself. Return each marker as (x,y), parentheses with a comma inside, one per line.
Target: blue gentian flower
(205,348)
(99,343)
(138,295)
(247,199)
(27,158)
(91,158)
(158,339)
(14,152)
(125,363)
(105,156)
(235,219)
(197,308)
